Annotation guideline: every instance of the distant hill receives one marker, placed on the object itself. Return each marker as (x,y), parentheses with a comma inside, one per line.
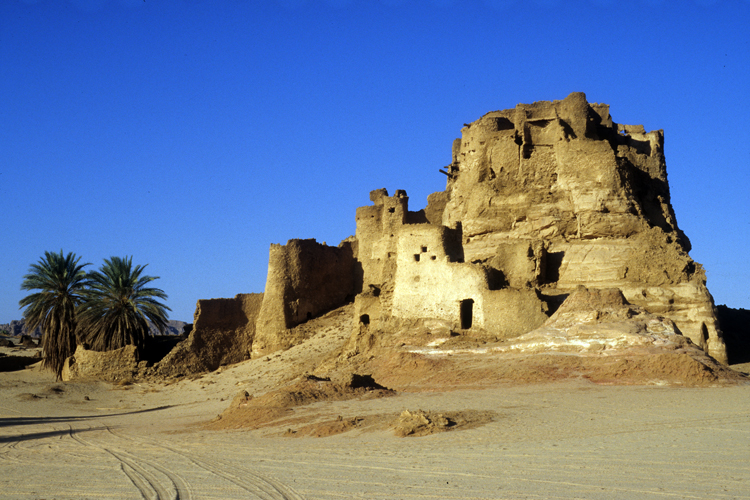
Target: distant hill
(174,327)
(17,328)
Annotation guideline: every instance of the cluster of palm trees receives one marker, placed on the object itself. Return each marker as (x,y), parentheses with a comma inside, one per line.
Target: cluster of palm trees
(105,310)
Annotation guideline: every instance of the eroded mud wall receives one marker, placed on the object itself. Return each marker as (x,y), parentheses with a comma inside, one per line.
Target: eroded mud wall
(305,279)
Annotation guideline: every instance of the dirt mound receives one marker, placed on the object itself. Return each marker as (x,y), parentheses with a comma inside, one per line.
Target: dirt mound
(246,411)
(424,423)
(595,335)
(27,341)
(484,367)
(407,424)
(605,302)
(674,369)
(27,396)
(339,426)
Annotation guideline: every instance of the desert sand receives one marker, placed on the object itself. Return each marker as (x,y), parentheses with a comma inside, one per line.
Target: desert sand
(563,440)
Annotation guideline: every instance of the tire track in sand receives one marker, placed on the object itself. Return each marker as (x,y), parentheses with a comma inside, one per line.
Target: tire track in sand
(146,481)
(260,486)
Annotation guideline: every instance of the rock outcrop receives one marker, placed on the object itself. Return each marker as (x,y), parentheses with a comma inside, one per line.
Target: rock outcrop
(735,326)
(598,321)
(17,328)
(174,327)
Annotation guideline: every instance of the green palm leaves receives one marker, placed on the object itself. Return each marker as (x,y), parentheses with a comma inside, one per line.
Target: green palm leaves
(107,309)
(61,281)
(119,305)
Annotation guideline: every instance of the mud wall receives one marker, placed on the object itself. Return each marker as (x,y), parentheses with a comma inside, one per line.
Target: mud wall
(429,284)
(223,333)
(305,279)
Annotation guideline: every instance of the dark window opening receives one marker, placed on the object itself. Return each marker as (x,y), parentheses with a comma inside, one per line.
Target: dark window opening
(391,210)
(496,279)
(467,313)
(365,319)
(424,249)
(552,268)
(504,124)
(416,257)
(433,258)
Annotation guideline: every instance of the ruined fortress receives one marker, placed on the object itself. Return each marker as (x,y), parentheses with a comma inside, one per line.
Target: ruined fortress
(540,199)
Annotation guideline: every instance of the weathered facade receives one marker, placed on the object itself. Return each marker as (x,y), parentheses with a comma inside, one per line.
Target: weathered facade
(540,199)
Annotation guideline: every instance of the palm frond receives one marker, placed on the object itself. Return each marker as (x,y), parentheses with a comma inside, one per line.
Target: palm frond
(61,281)
(118,306)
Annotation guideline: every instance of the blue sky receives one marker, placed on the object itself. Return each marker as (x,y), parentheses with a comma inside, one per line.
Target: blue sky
(193,134)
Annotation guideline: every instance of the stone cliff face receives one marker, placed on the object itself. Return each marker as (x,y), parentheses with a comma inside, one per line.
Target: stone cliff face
(557,170)
(16,328)
(593,193)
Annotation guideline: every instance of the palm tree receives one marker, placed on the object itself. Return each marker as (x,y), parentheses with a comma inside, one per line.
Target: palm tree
(118,306)
(61,281)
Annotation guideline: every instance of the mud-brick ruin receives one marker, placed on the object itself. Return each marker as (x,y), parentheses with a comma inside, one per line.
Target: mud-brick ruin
(540,199)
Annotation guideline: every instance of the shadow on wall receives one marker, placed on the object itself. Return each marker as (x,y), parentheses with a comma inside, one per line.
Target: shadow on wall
(735,323)
(158,346)
(554,261)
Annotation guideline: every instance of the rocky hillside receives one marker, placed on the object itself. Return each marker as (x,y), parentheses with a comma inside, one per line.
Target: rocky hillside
(16,328)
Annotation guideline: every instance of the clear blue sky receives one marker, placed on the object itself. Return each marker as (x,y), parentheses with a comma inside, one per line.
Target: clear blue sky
(193,134)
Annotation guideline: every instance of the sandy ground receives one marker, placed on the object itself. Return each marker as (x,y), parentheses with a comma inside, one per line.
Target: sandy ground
(566,440)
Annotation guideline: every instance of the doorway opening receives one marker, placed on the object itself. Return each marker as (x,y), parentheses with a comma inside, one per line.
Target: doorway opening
(467,313)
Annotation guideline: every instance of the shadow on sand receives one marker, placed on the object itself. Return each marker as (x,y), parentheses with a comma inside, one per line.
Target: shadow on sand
(41,435)
(15,421)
